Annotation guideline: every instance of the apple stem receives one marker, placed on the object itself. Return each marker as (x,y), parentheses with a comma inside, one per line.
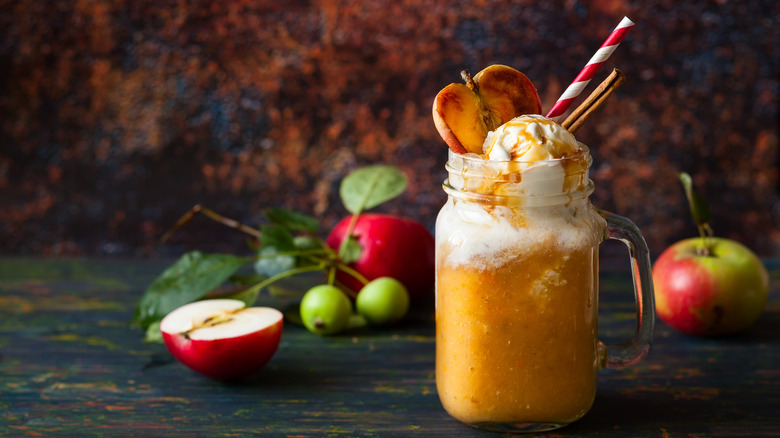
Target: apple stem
(700,213)
(345,290)
(268,281)
(331,274)
(469,80)
(352,272)
(356,214)
(706,233)
(348,235)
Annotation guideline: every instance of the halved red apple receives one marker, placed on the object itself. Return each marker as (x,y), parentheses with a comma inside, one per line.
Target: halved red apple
(221,338)
(465,113)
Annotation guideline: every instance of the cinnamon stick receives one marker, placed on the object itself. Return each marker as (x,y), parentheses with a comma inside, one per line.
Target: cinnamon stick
(594,101)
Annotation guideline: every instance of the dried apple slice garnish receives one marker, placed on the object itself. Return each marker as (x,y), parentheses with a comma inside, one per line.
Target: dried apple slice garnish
(465,113)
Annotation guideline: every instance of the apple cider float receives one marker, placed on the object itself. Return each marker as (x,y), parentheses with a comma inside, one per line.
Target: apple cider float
(517,263)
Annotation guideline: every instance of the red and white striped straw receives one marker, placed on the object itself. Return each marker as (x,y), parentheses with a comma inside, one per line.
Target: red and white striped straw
(587,73)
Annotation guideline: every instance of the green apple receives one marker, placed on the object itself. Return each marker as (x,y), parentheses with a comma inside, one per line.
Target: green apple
(325,310)
(383,301)
(708,285)
(717,291)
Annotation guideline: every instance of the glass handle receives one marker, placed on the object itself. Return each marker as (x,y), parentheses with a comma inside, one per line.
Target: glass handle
(631,352)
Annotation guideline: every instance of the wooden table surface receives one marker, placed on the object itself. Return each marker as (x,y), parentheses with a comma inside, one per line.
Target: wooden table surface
(71,365)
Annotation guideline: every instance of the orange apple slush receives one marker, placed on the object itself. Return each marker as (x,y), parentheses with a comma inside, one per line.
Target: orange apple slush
(518,345)
(516,280)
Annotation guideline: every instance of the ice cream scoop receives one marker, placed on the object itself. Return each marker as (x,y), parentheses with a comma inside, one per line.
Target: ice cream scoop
(530,137)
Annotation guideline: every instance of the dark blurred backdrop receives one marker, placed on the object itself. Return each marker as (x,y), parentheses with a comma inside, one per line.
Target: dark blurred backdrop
(117,116)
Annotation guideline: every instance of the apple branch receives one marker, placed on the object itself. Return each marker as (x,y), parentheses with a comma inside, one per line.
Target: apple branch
(289,273)
(199,209)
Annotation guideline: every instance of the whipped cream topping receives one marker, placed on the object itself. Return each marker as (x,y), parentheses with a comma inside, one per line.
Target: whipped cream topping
(529,137)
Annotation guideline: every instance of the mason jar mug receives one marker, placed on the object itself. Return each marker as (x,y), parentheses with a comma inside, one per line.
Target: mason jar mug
(517,248)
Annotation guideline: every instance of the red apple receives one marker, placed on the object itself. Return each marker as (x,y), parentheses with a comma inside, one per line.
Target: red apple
(719,293)
(221,338)
(392,246)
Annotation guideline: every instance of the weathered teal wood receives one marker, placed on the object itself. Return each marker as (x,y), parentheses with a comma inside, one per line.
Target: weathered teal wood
(71,365)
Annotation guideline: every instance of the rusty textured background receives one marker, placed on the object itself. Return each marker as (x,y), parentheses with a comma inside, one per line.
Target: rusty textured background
(117,116)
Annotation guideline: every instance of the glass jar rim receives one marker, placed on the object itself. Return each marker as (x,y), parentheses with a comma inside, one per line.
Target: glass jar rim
(507,182)
(519,199)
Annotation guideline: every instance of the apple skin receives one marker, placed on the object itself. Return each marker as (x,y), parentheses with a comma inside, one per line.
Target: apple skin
(708,295)
(226,358)
(393,246)
(229,358)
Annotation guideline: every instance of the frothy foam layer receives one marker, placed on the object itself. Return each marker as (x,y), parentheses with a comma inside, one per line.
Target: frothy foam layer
(487,237)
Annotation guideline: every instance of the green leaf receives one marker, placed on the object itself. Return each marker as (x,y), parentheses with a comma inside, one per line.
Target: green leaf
(189,279)
(306,243)
(153,333)
(699,210)
(269,264)
(351,250)
(370,186)
(292,220)
(277,236)
(275,239)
